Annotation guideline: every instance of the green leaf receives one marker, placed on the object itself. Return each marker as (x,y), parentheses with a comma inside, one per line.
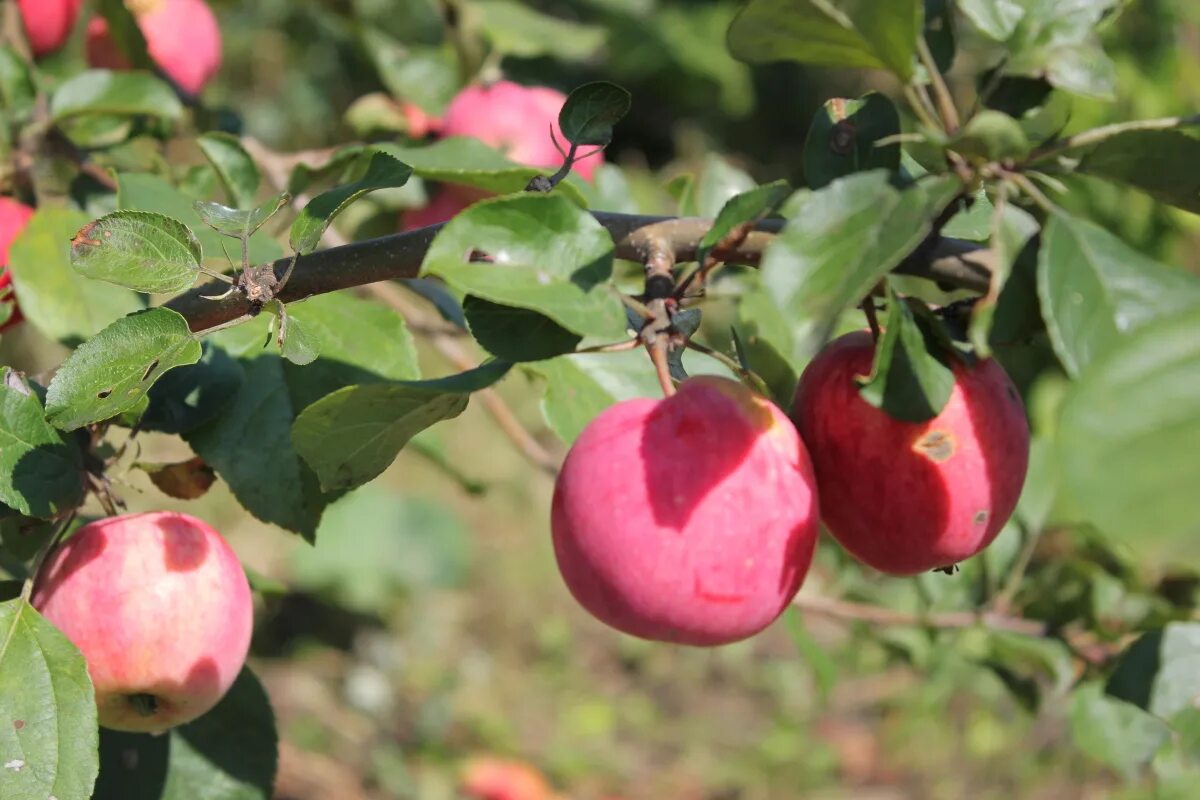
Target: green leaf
(48,739)
(719,183)
(237,223)
(579,387)
(113,370)
(374,544)
(839,243)
(470,162)
(101,91)
(249,444)
(906,381)
(991,136)
(516,29)
(383,171)
(422,74)
(191,395)
(1095,289)
(1160,163)
(60,302)
(230,753)
(749,206)
(143,192)
(236,169)
(354,434)
(590,112)
(39,470)
(835,33)
(1115,732)
(17,89)
(1133,411)
(140,250)
(124,31)
(997,19)
(1058,42)
(1160,672)
(516,334)
(843,139)
(548,255)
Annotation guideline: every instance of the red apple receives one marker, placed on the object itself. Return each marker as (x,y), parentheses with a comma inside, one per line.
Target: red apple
(48,23)
(182,36)
(14,216)
(442,208)
(161,609)
(908,497)
(517,120)
(690,519)
(488,778)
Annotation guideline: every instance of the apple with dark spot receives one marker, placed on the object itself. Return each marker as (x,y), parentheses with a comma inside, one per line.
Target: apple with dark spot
(690,519)
(160,607)
(908,497)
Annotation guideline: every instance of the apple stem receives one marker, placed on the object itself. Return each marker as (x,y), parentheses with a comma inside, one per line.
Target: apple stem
(868,307)
(658,355)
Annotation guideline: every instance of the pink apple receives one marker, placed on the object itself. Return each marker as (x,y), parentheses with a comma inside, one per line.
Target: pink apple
(442,208)
(909,497)
(48,23)
(691,519)
(14,216)
(489,778)
(182,36)
(161,609)
(517,120)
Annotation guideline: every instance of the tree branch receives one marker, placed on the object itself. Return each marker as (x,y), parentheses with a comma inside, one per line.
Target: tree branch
(877,615)
(961,264)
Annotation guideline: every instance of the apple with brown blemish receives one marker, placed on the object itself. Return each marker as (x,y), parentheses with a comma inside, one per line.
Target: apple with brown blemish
(160,607)
(690,519)
(908,497)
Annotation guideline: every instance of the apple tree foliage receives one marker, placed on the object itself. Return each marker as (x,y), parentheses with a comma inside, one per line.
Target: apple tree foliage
(967,223)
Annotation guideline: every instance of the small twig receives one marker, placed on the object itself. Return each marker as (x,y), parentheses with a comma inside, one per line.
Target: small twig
(749,377)
(945,101)
(1030,188)
(658,355)
(1097,135)
(616,347)
(877,615)
(921,106)
(868,307)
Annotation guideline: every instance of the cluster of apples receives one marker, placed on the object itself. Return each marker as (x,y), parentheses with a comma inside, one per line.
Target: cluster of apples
(693,519)
(182,36)
(519,121)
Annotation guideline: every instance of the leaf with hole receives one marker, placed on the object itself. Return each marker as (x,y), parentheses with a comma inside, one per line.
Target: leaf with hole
(112,371)
(533,251)
(140,250)
(844,138)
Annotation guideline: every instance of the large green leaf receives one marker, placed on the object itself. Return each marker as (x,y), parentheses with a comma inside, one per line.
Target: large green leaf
(249,444)
(1160,672)
(516,334)
(836,33)
(140,250)
(230,753)
(547,255)
(839,242)
(1118,733)
(54,297)
(100,91)
(426,75)
(383,171)
(39,469)
(1160,163)
(49,736)
(112,371)
(518,30)
(844,136)
(354,434)
(234,166)
(1129,430)
(1094,289)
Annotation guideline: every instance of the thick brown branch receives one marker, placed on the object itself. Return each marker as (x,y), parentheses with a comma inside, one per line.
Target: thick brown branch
(399,255)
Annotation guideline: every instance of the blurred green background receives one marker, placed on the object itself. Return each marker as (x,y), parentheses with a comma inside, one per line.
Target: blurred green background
(429,624)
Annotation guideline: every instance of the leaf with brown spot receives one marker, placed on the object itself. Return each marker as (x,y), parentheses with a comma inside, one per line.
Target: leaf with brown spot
(185,480)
